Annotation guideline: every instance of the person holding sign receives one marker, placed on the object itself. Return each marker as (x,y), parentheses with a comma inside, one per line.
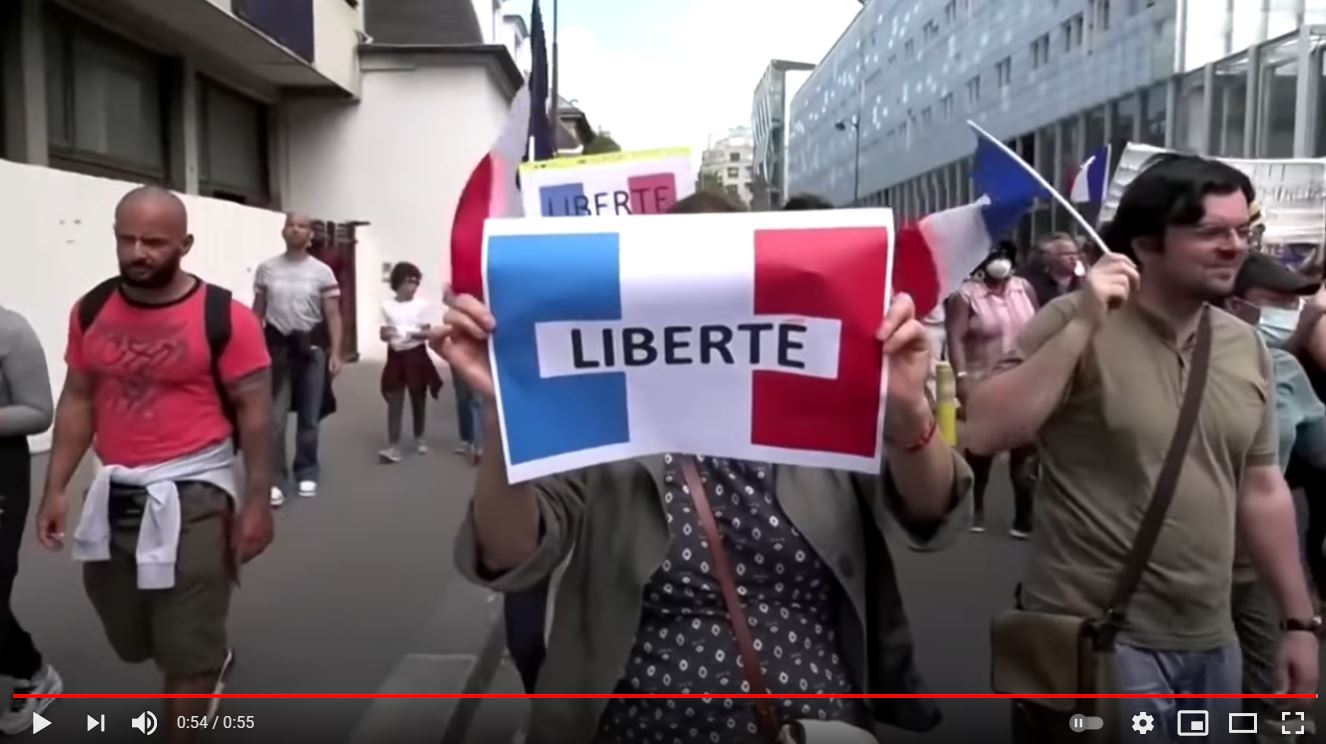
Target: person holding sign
(680,565)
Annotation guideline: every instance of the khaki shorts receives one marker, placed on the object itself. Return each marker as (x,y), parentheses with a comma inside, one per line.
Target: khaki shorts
(182,629)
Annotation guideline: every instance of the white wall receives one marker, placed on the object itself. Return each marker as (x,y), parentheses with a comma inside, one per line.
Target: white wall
(398,160)
(490,17)
(336,27)
(58,229)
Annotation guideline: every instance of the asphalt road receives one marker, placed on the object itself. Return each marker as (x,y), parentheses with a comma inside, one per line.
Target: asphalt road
(359,595)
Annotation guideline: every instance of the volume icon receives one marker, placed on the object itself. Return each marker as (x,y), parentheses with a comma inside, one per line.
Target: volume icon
(145,722)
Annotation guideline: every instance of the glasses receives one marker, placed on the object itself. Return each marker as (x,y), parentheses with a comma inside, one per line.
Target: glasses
(1240,235)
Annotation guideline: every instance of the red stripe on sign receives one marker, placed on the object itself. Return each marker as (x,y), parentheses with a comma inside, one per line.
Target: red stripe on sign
(914,270)
(652,194)
(825,273)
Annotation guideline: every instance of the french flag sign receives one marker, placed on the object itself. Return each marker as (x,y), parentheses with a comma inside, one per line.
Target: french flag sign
(746,335)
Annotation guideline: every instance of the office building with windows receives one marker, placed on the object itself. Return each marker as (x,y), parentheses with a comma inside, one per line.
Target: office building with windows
(729,164)
(770,114)
(1053,80)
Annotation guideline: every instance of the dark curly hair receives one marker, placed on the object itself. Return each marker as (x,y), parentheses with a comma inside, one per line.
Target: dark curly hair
(402,273)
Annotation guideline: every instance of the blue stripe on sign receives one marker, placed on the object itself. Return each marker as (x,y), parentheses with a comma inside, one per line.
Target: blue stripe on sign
(543,278)
(561,201)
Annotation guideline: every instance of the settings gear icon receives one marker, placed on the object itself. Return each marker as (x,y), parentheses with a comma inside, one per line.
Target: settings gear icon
(1143,723)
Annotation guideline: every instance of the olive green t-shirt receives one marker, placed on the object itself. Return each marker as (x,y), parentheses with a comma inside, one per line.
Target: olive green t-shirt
(1101,452)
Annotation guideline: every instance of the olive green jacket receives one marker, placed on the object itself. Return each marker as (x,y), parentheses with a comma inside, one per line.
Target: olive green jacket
(613,516)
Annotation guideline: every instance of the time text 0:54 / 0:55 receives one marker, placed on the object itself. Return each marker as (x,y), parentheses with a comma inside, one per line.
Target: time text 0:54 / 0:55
(217,722)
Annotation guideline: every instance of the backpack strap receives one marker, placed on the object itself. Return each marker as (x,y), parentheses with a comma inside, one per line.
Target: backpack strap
(89,307)
(216,322)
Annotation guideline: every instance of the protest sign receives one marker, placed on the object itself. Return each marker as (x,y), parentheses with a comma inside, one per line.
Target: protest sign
(1292,195)
(619,183)
(734,335)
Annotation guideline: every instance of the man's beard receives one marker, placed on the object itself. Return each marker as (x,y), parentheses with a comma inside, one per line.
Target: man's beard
(157,279)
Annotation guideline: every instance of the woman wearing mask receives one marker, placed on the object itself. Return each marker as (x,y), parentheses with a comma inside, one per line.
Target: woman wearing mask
(984,319)
(406,327)
(25,409)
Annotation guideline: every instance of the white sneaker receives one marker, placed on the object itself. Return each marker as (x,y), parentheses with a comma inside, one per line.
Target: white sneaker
(222,677)
(18,718)
(1017,534)
(308,489)
(421,448)
(390,455)
(278,497)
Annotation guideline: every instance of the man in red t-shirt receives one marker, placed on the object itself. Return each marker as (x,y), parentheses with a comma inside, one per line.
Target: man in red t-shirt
(160,537)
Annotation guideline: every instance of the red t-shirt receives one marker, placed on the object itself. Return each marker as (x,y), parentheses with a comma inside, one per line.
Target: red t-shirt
(154,398)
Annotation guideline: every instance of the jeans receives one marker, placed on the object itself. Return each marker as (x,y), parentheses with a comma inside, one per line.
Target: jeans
(19,658)
(396,414)
(1148,671)
(308,412)
(469,413)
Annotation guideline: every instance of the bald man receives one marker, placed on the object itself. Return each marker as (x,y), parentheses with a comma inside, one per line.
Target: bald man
(298,300)
(165,524)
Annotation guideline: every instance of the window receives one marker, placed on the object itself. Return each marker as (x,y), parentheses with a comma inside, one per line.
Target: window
(232,130)
(927,116)
(974,91)
(909,48)
(733,172)
(893,60)
(1004,72)
(731,189)
(931,30)
(106,110)
(1040,52)
(750,171)
(734,157)
(1100,15)
(951,11)
(947,105)
(1072,32)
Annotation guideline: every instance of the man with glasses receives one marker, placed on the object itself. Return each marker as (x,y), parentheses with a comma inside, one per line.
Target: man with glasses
(1099,376)
(1058,269)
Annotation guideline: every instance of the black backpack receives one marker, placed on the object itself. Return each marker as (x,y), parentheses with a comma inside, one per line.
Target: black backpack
(216,322)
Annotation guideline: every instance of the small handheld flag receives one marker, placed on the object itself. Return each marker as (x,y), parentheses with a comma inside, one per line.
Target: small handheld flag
(1092,178)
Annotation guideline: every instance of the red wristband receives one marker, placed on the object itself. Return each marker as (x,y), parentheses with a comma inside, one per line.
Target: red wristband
(924,440)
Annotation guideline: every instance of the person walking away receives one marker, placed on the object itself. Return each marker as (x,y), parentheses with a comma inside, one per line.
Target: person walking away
(407,328)
(984,318)
(165,372)
(469,416)
(1268,295)
(639,607)
(25,410)
(1102,383)
(298,299)
(1058,269)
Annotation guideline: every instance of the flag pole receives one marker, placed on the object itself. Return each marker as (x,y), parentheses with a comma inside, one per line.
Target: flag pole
(554,114)
(1054,194)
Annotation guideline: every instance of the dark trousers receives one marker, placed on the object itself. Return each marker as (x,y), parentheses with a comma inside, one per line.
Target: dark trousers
(1022,470)
(526,615)
(396,413)
(19,658)
(307,392)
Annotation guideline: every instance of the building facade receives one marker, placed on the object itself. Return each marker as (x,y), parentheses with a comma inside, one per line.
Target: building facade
(729,164)
(1054,81)
(770,114)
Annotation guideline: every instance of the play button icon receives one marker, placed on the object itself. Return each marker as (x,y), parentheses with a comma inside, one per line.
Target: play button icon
(39,723)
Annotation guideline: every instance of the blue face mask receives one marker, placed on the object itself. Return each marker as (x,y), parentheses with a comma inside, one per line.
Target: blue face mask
(1277,325)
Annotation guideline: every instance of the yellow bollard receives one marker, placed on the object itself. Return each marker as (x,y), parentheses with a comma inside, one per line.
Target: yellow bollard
(946,406)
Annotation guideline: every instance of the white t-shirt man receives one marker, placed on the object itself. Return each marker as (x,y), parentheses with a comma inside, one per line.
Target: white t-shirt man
(295,286)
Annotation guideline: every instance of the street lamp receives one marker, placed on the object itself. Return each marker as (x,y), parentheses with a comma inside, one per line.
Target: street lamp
(855,124)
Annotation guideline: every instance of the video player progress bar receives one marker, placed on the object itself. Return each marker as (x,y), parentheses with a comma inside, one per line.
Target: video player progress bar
(614,696)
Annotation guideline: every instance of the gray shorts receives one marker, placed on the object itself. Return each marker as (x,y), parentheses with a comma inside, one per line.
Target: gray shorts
(182,629)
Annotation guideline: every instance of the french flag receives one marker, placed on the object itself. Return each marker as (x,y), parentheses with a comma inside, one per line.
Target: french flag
(1092,179)
(938,253)
(699,333)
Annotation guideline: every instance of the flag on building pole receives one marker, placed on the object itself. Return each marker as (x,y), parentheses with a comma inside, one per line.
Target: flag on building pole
(1092,179)
(543,139)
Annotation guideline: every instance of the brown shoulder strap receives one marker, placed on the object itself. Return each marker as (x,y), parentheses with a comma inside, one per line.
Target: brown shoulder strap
(1154,519)
(765,717)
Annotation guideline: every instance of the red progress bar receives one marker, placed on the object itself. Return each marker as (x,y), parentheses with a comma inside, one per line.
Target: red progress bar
(614,696)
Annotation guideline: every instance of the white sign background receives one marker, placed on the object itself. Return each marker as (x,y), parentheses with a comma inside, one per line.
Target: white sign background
(604,174)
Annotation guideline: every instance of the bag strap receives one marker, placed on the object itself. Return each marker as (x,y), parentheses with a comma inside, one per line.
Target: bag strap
(765,716)
(1149,531)
(216,324)
(89,307)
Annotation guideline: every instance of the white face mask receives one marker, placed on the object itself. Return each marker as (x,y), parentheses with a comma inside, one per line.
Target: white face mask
(1079,270)
(1277,325)
(999,269)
